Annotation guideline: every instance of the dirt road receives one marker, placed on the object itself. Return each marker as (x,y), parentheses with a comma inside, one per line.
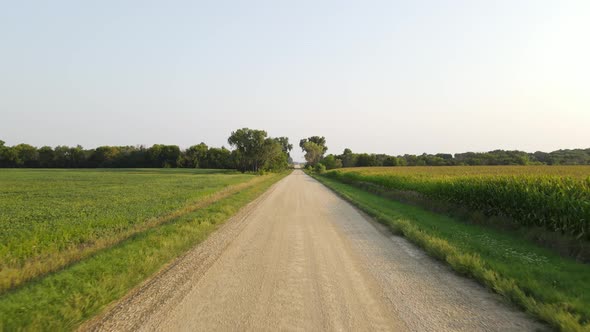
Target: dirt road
(301,258)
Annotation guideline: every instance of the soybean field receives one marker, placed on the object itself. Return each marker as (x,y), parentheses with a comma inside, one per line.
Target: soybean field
(51,218)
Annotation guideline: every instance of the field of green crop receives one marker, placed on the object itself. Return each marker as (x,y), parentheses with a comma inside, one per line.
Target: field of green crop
(556,198)
(87,237)
(52,218)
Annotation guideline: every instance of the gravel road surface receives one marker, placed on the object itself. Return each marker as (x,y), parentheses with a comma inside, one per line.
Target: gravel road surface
(300,258)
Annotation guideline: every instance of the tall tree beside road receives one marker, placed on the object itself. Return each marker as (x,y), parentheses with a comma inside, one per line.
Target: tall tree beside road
(314,148)
(254,151)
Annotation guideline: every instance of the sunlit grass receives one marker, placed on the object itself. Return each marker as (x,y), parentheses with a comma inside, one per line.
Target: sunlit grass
(51,218)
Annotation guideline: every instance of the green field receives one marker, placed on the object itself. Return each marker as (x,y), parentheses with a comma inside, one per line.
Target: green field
(556,198)
(51,218)
(578,172)
(550,287)
(101,233)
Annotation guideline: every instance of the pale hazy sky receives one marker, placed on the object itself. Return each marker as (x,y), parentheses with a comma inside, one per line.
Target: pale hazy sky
(375,76)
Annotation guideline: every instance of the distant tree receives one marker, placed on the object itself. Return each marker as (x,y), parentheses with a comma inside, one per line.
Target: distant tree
(331,162)
(348,158)
(255,151)
(62,154)
(321,141)
(445,156)
(276,154)
(380,159)
(219,158)
(314,148)
(104,156)
(410,159)
(420,161)
(250,144)
(286,146)
(46,157)
(239,161)
(69,157)
(391,161)
(401,161)
(131,156)
(3,153)
(543,157)
(366,160)
(313,152)
(77,156)
(319,168)
(8,156)
(26,155)
(164,155)
(195,155)
(431,160)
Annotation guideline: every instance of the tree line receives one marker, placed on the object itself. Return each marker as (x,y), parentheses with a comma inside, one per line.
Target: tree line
(253,150)
(315,147)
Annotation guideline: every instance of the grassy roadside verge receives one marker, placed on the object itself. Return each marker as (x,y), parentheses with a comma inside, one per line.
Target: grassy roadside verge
(551,288)
(65,299)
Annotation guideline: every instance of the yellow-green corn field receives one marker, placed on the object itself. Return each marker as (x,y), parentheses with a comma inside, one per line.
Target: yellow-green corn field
(556,198)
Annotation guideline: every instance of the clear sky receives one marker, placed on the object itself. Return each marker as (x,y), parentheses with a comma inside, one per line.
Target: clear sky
(375,76)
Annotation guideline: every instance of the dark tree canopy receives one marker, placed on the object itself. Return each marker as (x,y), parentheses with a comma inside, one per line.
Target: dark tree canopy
(496,157)
(254,152)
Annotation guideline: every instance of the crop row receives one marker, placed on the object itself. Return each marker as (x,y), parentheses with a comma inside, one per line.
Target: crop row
(557,203)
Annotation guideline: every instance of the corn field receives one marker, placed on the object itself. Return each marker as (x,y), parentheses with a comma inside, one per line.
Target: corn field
(556,198)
